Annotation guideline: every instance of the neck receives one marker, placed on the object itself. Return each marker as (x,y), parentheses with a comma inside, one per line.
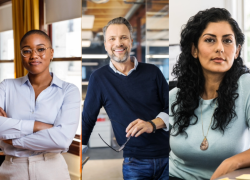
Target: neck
(124,67)
(42,79)
(212,83)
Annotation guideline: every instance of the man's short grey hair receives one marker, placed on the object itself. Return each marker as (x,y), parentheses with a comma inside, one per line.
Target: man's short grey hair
(119,20)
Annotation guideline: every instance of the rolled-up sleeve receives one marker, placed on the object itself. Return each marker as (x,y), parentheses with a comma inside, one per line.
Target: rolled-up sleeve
(165,117)
(163,90)
(12,128)
(60,136)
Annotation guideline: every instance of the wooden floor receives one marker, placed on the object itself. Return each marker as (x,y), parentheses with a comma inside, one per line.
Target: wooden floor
(105,169)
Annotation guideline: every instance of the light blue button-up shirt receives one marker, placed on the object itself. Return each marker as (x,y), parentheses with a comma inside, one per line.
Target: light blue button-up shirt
(58,104)
(164,116)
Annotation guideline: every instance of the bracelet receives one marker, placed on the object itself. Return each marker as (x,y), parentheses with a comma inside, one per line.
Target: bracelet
(154,126)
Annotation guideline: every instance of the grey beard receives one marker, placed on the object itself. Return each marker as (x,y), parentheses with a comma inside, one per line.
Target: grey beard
(119,60)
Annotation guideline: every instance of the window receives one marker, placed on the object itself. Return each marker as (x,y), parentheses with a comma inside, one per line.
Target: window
(6,55)
(246,31)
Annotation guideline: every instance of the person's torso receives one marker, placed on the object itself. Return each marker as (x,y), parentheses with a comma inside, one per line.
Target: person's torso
(187,160)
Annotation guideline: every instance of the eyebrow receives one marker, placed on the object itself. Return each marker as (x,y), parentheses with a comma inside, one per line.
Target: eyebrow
(118,36)
(215,35)
(36,45)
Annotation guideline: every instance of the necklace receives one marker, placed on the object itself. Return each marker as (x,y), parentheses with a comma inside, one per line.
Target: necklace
(204,143)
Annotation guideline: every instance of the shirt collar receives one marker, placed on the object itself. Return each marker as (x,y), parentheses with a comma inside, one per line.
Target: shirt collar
(55,80)
(132,58)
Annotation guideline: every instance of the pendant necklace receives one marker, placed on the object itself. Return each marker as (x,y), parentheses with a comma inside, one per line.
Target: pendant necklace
(204,144)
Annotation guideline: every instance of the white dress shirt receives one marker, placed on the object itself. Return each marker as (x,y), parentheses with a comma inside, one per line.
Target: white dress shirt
(58,104)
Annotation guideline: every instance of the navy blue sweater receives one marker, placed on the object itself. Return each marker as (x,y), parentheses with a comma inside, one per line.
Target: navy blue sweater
(142,94)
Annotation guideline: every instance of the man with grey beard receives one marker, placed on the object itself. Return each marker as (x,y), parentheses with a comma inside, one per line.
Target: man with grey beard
(135,97)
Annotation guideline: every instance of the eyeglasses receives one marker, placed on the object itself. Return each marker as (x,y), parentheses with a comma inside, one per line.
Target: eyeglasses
(122,146)
(40,50)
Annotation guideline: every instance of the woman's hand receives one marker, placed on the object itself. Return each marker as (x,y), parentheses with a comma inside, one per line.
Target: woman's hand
(2,113)
(8,141)
(225,167)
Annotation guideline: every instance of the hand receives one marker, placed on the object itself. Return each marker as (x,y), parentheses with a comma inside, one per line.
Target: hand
(137,127)
(8,141)
(225,167)
(2,113)
(38,126)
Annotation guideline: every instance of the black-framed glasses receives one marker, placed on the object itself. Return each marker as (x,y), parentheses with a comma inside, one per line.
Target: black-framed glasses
(122,146)
(40,50)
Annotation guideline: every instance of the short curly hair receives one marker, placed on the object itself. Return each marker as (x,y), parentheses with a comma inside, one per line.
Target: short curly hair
(36,31)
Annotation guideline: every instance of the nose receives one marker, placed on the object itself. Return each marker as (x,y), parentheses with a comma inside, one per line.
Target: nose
(219,47)
(33,54)
(119,42)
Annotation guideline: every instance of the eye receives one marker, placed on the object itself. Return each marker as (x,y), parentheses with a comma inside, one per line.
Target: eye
(124,37)
(209,40)
(40,49)
(112,39)
(228,41)
(27,51)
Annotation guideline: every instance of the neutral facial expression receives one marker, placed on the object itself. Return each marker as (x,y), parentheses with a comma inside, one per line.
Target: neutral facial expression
(118,42)
(35,63)
(217,48)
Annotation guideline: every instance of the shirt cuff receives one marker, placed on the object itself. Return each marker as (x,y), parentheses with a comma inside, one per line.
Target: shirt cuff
(17,143)
(84,149)
(165,117)
(27,127)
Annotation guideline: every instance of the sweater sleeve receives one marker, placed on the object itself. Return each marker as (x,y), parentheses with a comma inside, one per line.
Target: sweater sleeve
(163,91)
(91,108)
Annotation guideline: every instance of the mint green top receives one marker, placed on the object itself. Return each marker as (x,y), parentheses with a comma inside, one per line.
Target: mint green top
(187,161)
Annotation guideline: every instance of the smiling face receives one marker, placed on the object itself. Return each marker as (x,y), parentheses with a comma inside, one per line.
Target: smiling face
(118,42)
(36,63)
(217,48)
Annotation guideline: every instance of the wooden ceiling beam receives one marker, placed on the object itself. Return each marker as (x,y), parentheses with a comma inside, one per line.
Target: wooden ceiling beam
(108,5)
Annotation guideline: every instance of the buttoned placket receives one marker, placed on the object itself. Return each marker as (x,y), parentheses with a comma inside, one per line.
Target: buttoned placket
(34,100)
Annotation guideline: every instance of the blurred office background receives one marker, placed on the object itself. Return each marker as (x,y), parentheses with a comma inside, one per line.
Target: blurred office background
(182,10)
(61,20)
(150,19)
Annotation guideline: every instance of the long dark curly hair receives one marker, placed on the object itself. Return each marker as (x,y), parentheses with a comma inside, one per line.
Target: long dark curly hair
(190,78)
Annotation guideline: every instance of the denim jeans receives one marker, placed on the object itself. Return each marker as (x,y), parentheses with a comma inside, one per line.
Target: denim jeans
(145,169)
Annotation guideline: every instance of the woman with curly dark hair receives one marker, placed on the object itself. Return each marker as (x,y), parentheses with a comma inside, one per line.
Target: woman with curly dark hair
(210,108)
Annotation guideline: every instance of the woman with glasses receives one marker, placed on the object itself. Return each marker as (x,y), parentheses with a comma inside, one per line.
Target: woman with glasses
(210,108)
(39,115)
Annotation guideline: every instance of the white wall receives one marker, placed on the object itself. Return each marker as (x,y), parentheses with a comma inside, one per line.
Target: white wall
(181,10)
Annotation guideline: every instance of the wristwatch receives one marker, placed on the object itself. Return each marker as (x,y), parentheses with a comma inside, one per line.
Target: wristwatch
(153,124)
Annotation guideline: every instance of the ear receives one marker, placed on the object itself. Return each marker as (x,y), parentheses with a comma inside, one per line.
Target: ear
(52,53)
(105,45)
(237,51)
(194,51)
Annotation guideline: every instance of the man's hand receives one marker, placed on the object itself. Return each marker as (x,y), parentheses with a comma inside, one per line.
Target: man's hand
(137,127)
(8,141)
(225,167)
(2,113)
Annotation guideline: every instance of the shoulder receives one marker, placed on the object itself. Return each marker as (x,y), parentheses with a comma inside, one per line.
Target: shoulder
(244,84)
(68,89)
(172,95)
(146,66)
(11,82)
(100,71)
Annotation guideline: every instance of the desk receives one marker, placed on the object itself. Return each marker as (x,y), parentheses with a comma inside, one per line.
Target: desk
(236,173)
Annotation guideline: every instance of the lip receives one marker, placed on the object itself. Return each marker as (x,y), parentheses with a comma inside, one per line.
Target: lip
(218,60)
(34,63)
(119,50)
